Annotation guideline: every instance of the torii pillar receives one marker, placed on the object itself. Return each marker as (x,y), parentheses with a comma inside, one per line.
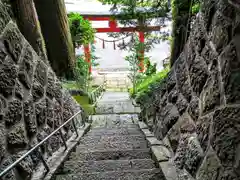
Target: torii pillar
(87,54)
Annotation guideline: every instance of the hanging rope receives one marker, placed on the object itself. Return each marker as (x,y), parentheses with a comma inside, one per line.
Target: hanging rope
(113,41)
(120,39)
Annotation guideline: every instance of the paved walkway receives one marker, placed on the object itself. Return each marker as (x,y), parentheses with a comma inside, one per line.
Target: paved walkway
(115,148)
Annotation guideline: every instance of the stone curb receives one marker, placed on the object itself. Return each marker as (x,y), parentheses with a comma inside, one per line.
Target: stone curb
(161,153)
(59,157)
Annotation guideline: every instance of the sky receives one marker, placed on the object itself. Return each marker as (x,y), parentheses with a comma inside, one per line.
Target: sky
(110,58)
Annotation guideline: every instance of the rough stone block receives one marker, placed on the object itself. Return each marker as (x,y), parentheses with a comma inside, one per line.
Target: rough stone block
(210,167)
(3,52)
(189,153)
(26,68)
(8,74)
(25,167)
(198,39)
(198,74)
(230,70)
(158,128)
(171,80)
(208,10)
(4,18)
(183,174)
(181,104)
(55,142)
(19,91)
(37,91)
(211,94)
(203,130)
(29,117)
(194,155)
(3,104)
(58,91)
(2,141)
(14,113)
(50,91)
(220,31)
(193,108)
(4,164)
(13,41)
(227,9)
(173,96)
(208,54)
(16,138)
(57,114)
(170,116)
(40,74)
(46,148)
(50,113)
(183,125)
(183,83)
(225,137)
(40,111)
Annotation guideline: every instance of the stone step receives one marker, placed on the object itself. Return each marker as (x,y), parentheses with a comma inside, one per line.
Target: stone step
(107,165)
(144,174)
(104,123)
(115,131)
(110,154)
(112,142)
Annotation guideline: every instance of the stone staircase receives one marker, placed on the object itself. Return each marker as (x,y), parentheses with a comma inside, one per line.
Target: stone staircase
(114,149)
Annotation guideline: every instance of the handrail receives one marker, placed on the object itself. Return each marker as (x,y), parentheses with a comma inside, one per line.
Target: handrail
(9,168)
(96,92)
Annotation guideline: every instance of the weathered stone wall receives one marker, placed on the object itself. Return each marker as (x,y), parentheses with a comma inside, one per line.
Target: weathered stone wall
(196,109)
(32,101)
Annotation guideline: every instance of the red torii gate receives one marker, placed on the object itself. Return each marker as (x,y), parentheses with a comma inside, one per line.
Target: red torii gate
(113,28)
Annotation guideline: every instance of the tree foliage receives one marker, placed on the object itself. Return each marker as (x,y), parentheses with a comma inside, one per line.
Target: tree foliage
(135,75)
(81,29)
(81,73)
(139,13)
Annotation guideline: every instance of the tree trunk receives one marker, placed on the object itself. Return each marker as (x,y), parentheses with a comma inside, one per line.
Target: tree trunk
(54,24)
(26,17)
(181,26)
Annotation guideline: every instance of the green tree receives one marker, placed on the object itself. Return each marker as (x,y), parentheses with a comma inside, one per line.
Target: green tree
(140,13)
(81,30)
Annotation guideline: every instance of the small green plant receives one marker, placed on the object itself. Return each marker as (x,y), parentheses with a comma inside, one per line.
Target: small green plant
(146,83)
(135,76)
(150,68)
(81,73)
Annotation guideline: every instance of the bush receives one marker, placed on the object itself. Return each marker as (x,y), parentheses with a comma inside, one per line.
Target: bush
(146,84)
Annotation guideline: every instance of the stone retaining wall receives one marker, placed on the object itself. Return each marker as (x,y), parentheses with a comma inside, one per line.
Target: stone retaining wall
(32,101)
(196,109)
